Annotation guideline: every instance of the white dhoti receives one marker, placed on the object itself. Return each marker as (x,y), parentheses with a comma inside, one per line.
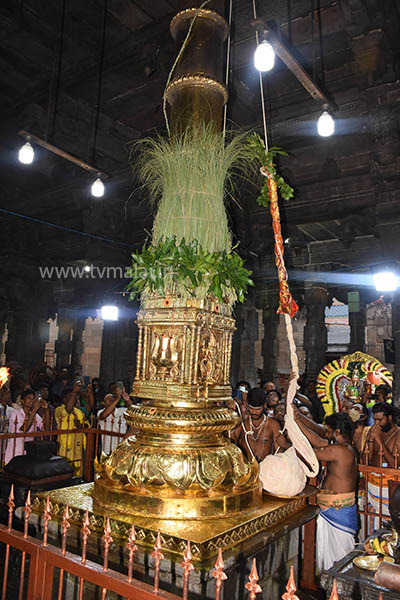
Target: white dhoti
(336,528)
(378,500)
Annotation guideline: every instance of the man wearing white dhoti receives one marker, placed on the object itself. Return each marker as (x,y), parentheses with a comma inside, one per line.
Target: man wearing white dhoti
(337,522)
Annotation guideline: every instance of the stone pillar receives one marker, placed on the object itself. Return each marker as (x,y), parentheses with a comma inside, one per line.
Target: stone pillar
(357,322)
(268,303)
(40,338)
(118,350)
(396,339)
(19,339)
(63,343)
(236,344)
(315,331)
(243,346)
(27,337)
(77,345)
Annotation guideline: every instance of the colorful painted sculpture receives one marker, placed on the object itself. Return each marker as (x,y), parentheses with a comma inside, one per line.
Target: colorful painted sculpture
(348,377)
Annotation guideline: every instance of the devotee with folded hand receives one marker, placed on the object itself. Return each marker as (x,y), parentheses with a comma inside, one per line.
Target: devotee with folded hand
(69,417)
(111,418)
(26,419)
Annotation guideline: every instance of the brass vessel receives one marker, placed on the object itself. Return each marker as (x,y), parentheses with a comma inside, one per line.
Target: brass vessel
(181,465)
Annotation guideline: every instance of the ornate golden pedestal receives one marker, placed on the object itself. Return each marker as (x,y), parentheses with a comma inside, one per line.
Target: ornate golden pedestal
(206,536)
(180,466)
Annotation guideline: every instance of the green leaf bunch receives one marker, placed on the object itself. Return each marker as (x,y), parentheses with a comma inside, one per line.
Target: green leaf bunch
(187,269)
(256,148)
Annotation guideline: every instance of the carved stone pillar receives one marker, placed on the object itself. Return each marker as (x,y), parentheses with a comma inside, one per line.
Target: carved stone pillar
(269,304)
(236,344)
(77,345)
(63,343)
(243,346)
(40,338)
(19,338)
(357,322)
(396,338)
(315,331)
(3,322)
(118,351)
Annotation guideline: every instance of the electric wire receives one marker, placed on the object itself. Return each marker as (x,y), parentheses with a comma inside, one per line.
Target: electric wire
(99,87)
(54,91)
(228,56)
(69,229)
(261,87)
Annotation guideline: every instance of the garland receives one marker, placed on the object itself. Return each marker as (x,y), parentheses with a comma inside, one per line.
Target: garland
(266,159)
(269,197)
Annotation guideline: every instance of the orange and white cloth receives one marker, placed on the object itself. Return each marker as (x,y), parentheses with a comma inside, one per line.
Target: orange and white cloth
(287,304)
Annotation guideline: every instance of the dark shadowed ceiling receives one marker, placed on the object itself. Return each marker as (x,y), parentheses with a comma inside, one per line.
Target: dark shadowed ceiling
(346,212)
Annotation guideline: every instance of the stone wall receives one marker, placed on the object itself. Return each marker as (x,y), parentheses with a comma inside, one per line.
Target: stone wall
(92,347)
(379,327)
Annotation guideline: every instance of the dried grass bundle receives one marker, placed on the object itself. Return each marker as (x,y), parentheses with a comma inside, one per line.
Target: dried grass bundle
(190,177)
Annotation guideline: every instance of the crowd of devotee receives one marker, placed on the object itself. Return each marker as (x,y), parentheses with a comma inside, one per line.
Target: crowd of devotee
(364,431)
(52,399)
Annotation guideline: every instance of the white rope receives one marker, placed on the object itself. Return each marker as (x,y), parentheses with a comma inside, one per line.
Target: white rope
(296,436)
(246,433)
(292,346)
(261,87)
(228,56)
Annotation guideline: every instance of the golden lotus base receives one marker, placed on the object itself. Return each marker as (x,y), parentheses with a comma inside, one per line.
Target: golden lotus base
(213,506)
(205,536)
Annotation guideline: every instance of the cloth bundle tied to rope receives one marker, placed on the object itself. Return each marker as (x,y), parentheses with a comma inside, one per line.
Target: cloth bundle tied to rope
(286,474)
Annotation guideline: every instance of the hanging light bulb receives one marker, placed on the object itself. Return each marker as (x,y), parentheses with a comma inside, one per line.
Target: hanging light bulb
(386,281)
(26,154)
(109,313)
(264,56)
(98,187)
(326,124)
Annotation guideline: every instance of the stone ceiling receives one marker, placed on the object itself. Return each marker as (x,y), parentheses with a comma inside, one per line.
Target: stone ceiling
(346,211)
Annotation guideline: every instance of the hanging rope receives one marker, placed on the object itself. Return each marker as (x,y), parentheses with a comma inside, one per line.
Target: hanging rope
(228,55)
(55,80)
(287,305)
(261,87)
(99,86)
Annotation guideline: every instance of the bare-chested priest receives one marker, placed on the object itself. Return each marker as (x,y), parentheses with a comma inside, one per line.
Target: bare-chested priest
(382,448)
(337,522)
(259,434)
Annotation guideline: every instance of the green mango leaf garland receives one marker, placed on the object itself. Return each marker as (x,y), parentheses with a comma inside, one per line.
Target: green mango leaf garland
(256,148)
